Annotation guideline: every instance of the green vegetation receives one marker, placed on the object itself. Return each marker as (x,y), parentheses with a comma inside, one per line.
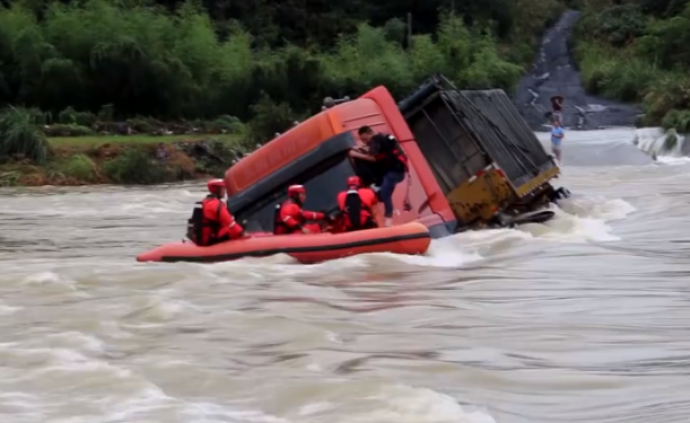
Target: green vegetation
(145,139)
(128,58)
(638,51)
(85,68)
(30,158)
(21,136)
(80,167)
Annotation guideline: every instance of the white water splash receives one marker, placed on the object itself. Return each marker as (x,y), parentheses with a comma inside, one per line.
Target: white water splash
(657,143)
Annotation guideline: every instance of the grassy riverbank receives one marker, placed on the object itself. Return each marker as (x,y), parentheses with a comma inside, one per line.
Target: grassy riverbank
(118,164)
(139,140)
(119,159)
(638,52)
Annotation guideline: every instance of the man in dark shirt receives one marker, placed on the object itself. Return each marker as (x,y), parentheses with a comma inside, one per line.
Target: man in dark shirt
(385,150)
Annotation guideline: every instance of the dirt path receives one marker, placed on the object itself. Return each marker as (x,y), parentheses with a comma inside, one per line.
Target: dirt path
(554,73)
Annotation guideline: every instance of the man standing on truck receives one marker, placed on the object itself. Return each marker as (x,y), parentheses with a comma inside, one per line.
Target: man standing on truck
(385,150)
(557,139)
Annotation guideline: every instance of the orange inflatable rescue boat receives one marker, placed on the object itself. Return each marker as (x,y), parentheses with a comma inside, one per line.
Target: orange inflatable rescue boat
(411,238)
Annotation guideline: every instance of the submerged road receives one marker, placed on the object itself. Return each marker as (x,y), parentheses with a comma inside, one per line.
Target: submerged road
(554,73)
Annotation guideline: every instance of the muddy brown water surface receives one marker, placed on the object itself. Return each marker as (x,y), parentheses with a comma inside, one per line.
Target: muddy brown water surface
(584,319)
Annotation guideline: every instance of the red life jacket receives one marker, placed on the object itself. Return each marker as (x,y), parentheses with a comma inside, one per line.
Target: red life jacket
(358,214)
(200,230)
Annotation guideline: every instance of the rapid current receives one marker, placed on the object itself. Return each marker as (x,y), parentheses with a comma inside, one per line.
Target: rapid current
(584,319)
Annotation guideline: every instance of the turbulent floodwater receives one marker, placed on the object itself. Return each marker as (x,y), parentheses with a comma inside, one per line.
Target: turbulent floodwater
(581,320)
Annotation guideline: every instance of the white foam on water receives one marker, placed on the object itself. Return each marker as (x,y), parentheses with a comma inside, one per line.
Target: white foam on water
(581,219)
(208,412)
(673,161)
(7,310)
(655,141)
(446,252)
(405,404)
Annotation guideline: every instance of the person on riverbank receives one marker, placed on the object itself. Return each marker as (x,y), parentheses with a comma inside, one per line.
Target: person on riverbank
(385,150)
(557,135)
(290,218)
(212,223)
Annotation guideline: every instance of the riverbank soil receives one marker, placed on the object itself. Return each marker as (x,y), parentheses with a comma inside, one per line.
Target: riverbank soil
(125,160)
(554,73)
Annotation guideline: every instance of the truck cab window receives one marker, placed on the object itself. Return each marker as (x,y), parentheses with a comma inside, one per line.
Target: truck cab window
(322,184)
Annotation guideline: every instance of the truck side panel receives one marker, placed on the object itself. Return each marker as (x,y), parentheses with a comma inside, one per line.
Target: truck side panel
(507,138)
(485,158)
(452,152)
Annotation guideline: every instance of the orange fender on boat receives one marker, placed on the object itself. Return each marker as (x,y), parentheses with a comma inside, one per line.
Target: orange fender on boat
(411,238)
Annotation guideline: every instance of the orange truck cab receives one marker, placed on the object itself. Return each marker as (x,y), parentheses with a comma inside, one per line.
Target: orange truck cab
(453,182)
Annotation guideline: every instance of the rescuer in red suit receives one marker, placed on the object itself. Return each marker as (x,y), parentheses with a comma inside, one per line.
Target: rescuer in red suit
(357,205)
(215,221)
(290,218)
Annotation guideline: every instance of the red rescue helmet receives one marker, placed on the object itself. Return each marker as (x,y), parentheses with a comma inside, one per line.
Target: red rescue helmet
(295,190)
(215,185)
(354,181)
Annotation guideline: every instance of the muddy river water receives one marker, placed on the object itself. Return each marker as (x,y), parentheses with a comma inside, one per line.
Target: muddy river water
(585,319)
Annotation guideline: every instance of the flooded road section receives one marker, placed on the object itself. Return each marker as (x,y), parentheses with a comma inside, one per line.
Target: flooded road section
(585,319)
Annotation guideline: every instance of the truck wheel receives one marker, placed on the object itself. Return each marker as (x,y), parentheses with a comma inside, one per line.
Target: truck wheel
(559,194)
(540,216)
(501,221)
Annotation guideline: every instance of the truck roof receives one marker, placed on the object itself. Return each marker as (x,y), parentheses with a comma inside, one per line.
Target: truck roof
(372,108)
(280,151)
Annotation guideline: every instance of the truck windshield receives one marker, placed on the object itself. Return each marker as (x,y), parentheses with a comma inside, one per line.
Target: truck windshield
(323,185)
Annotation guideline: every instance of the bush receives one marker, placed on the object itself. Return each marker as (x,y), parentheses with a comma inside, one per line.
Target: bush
(615,74)
(141,125)
(269,119)
(21,136)
(135,167)
(69,116)
(653,66)
(121,55)
(106,113)
(629,81)
(79,167)
(667,42)
(10,178)
(227,124)
(678,120)
(39,116)
(69,130)
(531,19)
(668,92)
(620,24)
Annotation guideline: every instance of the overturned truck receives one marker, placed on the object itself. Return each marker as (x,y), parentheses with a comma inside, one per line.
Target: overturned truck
(489,164)
(473,161)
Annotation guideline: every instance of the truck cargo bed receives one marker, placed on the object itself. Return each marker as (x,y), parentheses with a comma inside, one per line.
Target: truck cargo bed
(461,132)
(505,135)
